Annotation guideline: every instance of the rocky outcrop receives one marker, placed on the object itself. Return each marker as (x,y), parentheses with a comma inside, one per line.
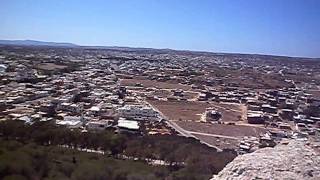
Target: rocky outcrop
(295,160)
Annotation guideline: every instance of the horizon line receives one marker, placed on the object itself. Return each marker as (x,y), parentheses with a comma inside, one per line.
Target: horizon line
(162,48)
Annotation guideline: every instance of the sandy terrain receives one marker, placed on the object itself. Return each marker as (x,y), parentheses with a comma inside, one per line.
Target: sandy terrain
(192,110)
(222,129)
(50,66)
(152,83)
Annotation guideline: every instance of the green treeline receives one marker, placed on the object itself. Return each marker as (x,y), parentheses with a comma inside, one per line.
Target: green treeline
(45,151)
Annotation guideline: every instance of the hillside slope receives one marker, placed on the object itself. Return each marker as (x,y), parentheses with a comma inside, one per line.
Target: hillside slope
(296,160)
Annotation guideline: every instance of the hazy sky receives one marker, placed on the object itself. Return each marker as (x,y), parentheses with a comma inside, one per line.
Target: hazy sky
(282,27)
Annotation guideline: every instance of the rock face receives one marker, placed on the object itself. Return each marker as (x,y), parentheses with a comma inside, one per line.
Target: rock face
(294,160)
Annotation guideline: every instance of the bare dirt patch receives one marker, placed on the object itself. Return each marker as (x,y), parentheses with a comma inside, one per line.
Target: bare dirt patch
(181,110)
(192,110)
(315,93)
(152,83)
(191,95)
(222,129)
(51,66)
(230,112)
(161,93)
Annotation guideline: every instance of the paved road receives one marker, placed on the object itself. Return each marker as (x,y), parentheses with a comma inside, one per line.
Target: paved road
(182,131)
(179,129)
(214,135)
(173,124)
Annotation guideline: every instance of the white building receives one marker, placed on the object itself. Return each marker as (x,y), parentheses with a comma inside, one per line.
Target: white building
(138,112)
(128,125)
(2,68)
(70,122)
(255,117)
(212,114)
(94,110)
(98,125)
(76,108)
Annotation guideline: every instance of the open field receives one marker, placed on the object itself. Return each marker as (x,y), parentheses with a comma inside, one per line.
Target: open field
(230,112)
(187,115)
(51,66)
(254,79)
(164,93)
(231,106)
(192,110)
(222,129)
(181,110)
(161,93)
(152,83)
(191,95)
(315,93)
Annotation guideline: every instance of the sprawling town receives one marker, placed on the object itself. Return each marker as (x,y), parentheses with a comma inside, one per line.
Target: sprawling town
(235,103)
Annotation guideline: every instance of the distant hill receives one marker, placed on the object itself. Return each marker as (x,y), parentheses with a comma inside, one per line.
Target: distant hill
(35,43)
(146,50)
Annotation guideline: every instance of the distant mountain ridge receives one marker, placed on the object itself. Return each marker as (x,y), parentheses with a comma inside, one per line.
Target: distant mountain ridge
(36,43)
(143,49)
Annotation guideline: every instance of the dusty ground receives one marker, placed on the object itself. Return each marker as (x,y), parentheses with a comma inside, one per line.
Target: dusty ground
(152,83)
(51,66)
(181,110)
(315,93)
(222,129)
(192,110)
(187,115)
(163,93)
(191,95)
(230,112)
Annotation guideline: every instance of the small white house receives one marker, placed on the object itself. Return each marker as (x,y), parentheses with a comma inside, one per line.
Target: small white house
(138,112)
(98,125)
(128,125)
(71,122)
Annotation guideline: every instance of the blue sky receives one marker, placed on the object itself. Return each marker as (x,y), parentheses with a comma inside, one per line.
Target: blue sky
(281,27)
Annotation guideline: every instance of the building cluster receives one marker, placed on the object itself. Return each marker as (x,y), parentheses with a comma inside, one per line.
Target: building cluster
(89,98)
(80,88)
